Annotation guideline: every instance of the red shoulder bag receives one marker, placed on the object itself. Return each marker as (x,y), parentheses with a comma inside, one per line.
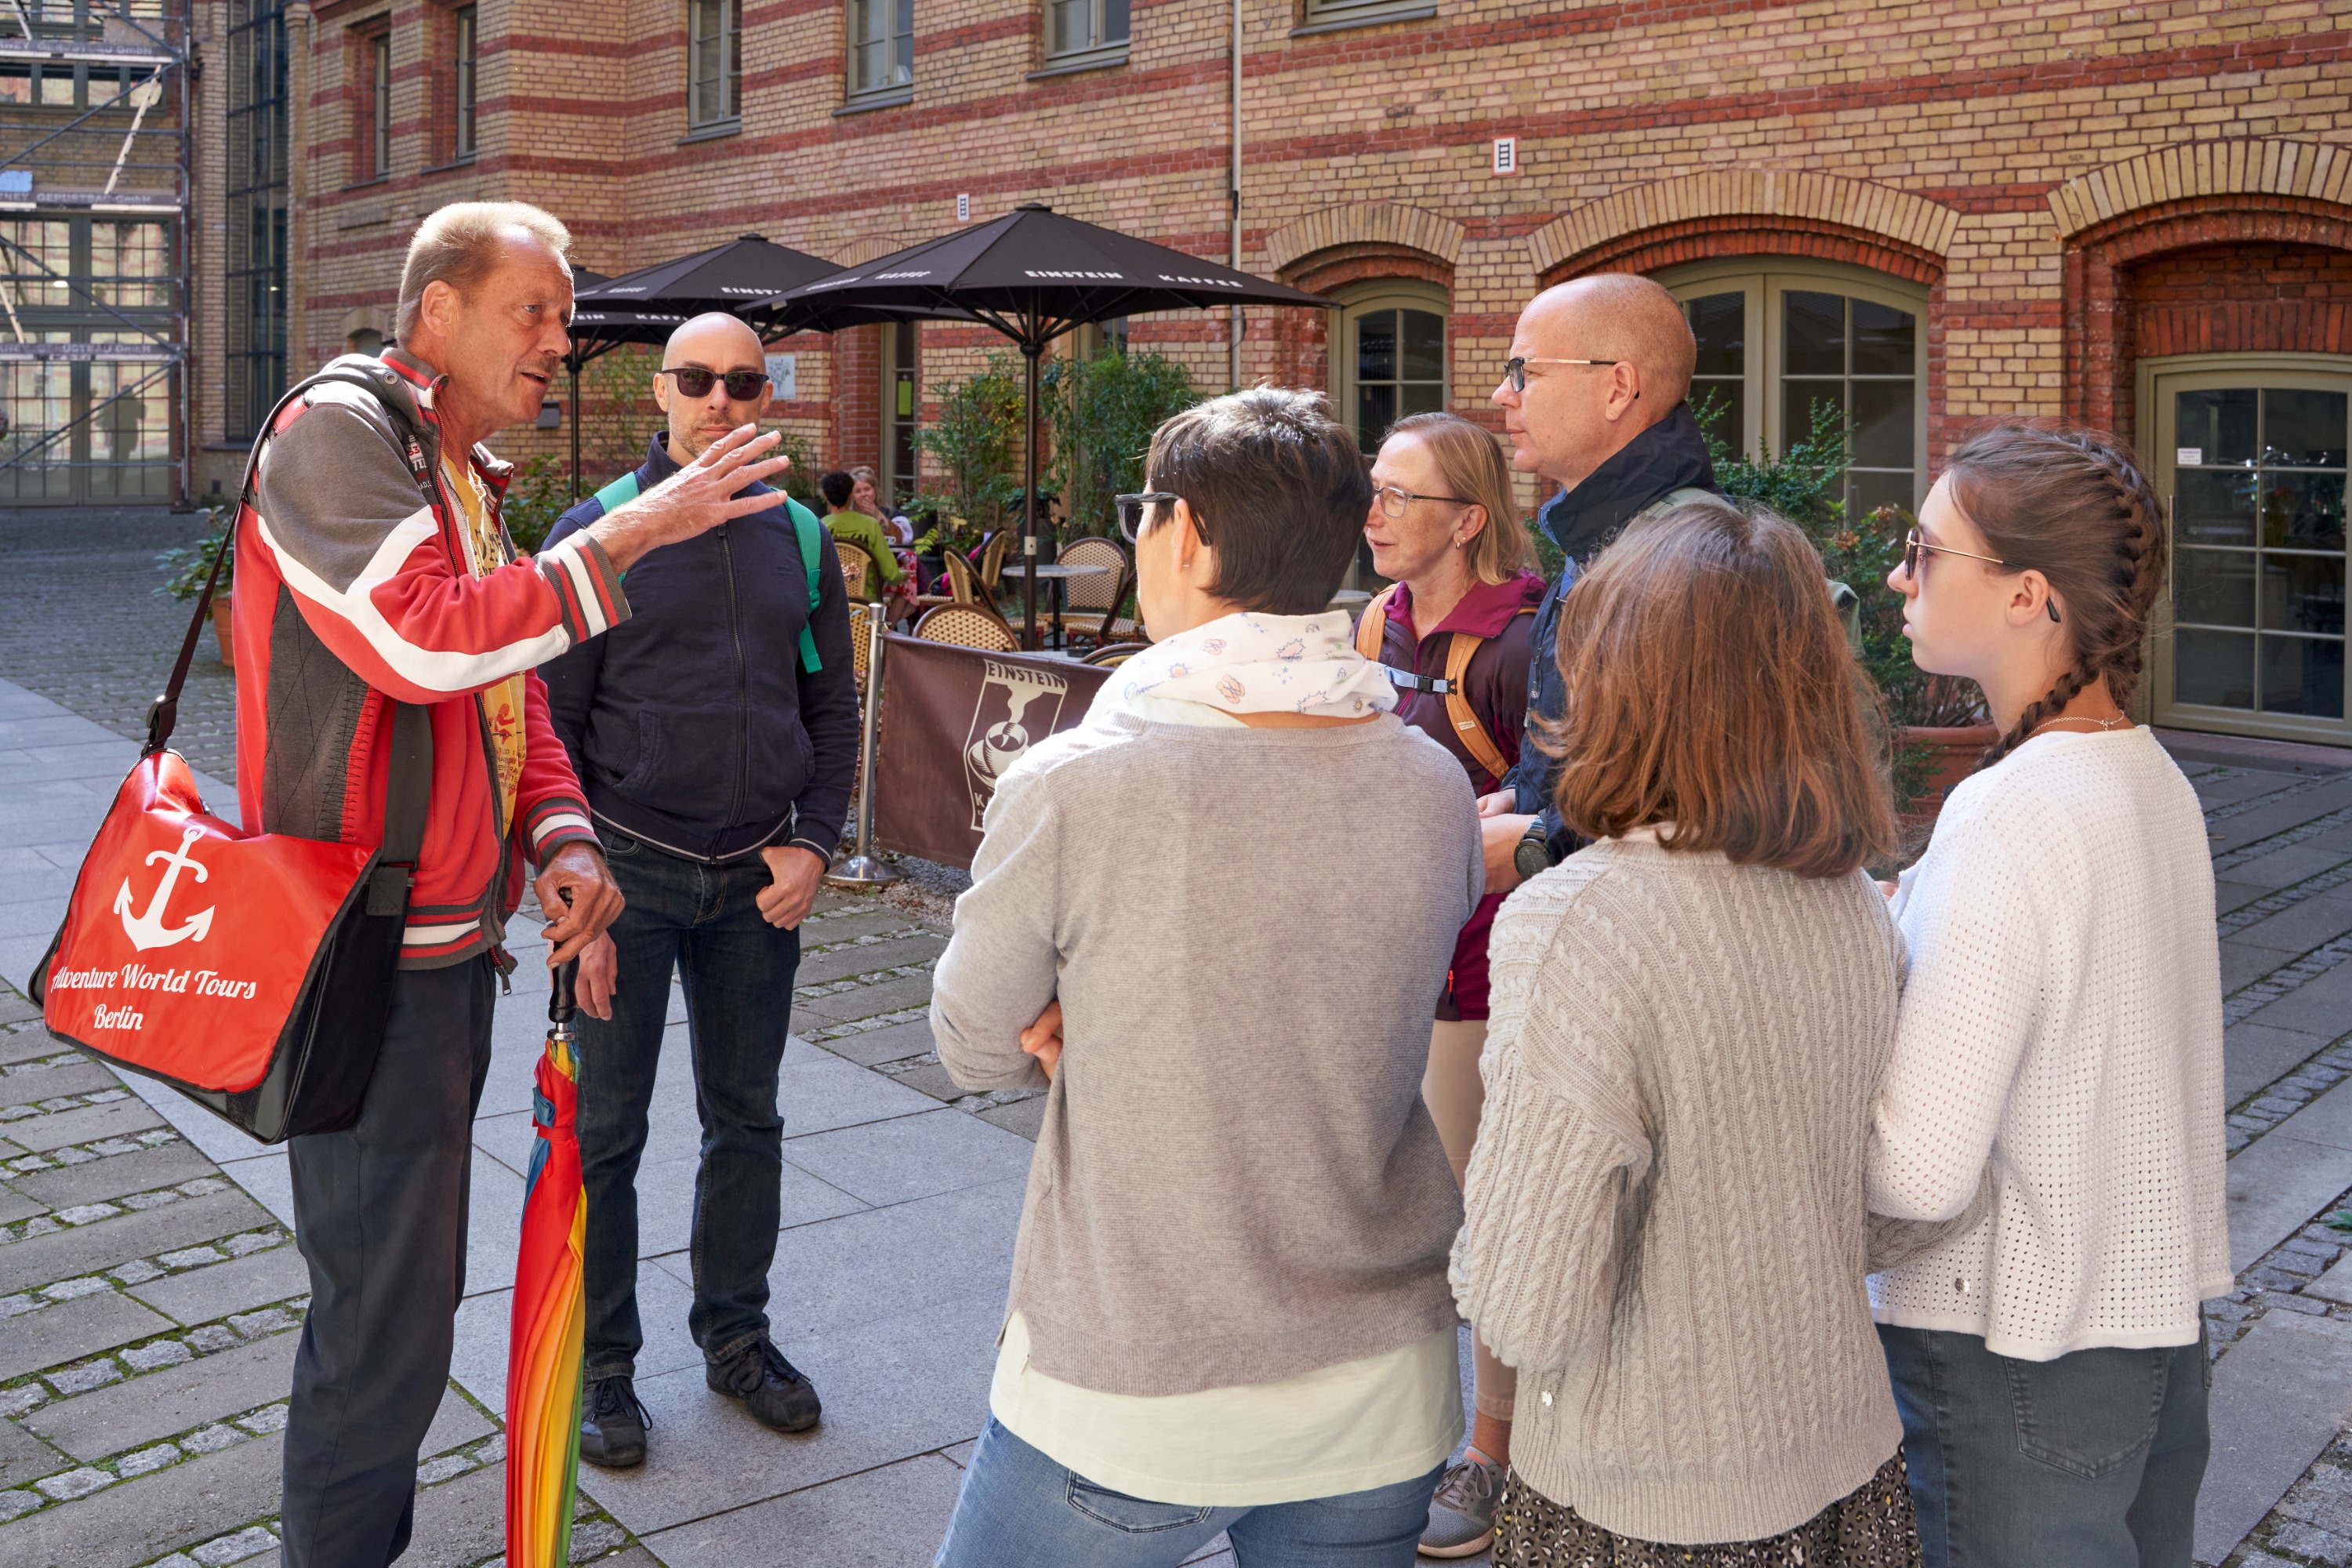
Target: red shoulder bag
(250,972)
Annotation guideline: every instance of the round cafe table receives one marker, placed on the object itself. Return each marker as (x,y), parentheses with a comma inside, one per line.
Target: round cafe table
(1054,574)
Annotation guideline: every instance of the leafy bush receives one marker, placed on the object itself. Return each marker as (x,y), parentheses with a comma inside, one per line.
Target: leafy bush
(976,442)
(1102,413)
(190,564)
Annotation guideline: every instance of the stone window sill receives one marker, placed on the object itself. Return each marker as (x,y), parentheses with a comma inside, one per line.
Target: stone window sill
(718,129)
(898,99)
(1371,18)
(1071,65)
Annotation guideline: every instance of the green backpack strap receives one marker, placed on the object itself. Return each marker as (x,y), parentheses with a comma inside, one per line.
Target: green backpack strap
(619,493)
(811,534)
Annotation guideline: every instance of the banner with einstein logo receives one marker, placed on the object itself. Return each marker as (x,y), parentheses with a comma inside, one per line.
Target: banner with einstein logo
(953,718)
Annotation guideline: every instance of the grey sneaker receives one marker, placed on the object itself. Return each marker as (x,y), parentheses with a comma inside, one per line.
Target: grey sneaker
(1462,1514)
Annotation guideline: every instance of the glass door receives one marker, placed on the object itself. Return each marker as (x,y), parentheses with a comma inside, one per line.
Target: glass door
(2253,460)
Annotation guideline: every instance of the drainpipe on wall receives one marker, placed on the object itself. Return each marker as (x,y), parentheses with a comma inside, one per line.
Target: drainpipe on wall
(299,19)
(1233,336)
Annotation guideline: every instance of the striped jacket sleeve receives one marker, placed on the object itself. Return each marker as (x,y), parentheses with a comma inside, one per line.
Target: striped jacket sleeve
(362,553)
(548,802)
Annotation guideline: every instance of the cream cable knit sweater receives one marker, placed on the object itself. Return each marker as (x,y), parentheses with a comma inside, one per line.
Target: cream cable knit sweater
(1666,1226)
(2063,1024)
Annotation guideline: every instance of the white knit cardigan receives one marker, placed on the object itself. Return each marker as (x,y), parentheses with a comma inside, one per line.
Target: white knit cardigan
(1666,1230)
(2063,1022)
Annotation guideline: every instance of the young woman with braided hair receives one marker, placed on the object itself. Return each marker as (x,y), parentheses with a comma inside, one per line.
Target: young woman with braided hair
(2056,1083)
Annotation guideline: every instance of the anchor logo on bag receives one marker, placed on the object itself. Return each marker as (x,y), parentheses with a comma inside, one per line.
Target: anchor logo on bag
(146,931)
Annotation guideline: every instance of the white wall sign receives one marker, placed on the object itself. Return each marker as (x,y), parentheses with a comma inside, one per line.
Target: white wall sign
(783,373)
(1506,154)
(964,207)
(2189,456)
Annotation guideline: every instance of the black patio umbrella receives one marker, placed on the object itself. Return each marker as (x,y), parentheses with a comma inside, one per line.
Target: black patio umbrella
(1033,274)
(646,305)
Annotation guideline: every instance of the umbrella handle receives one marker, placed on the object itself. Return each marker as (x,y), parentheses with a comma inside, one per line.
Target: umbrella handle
(563,998)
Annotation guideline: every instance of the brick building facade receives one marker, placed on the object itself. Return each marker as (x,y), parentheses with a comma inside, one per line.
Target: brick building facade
(2139,216)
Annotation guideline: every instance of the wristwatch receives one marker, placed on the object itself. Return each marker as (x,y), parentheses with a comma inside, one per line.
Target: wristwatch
(1534,853)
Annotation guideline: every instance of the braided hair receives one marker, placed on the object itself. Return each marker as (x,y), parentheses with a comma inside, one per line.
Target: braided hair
(2071,504)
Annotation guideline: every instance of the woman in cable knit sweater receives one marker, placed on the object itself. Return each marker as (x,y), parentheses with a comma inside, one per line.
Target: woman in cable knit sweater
(2060,1043)
(1665,1229)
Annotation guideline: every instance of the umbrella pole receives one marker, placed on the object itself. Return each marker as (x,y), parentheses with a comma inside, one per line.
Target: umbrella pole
(1031,348)
(574,361)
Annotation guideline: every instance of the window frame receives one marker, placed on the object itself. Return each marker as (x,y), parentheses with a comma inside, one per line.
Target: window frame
(896,488)
(1765,279)
(900,68)
(371,102)
(1337,15)
(730,115)
(1357,300)
(2155,380)
(1098,50)
(465,82)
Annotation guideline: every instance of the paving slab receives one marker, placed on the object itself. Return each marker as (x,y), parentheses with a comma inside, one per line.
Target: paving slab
(455,1424)
(72,1330)
(2277,1185)
(2299,928)
(816,1093)
(865,1002)
(94,1181)
(2257,1054)
(2285,866)
(268,1180)
(665,1203)
(33,1085)
(2279,1395)
(207,1294)
(911,1156)
(891,1043)
(15,1206)
(218,1139)
(2321,1005)
(851,922)
(2243,964)
(461,1522)
(90,1248)
(865,958)
(85,1125)
(29,1045)
(138,1522)
(1022,1117)
(25,1457)
(132,1413)
(893,1388)
(888,1518)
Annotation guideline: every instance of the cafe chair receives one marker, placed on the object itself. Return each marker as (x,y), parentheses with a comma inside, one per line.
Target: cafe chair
(967,626)
(1091,604)
(1112,655)
(857,569)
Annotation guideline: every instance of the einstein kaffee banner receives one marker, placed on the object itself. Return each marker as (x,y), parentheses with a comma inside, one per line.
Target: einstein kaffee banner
(953,718)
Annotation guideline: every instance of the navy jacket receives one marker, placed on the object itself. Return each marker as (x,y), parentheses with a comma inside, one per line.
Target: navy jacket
(1669,456)
(692,724)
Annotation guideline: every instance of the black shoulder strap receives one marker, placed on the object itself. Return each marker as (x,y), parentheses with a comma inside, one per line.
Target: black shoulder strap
(165,713)
(407,793)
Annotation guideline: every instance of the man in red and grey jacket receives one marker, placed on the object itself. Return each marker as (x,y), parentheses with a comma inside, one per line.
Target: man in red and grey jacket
(372,570)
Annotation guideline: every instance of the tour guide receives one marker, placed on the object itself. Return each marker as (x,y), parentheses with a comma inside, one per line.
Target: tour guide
(717,733)
(374,568)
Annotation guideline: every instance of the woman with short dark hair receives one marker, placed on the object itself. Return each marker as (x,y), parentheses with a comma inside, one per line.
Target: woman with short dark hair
(1229,1310)
(1666,1233)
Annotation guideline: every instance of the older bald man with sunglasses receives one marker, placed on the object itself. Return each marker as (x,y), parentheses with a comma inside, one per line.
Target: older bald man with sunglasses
(715,743)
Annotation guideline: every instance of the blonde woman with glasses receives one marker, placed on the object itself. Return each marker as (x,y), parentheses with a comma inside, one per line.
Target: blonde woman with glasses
(1454,638)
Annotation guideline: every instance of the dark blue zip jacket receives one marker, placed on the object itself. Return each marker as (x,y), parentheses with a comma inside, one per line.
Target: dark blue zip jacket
(1669,456)
(692,724)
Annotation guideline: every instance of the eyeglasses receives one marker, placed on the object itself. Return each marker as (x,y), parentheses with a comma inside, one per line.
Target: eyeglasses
(1394,500)
(742,385)
(1515,370)
(1915,546)
(1131,508)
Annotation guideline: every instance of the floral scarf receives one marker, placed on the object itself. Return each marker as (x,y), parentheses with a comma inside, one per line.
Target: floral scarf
(1250,663)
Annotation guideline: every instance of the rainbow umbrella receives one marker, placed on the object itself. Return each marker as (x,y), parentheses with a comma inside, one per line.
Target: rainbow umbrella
(543,1355)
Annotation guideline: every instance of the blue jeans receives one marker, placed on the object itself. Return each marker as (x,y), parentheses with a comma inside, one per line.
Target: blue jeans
(1018,1509)
(738,971)
(2091,1460)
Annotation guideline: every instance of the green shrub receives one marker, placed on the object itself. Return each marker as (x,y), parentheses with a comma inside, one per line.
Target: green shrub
(1101,414)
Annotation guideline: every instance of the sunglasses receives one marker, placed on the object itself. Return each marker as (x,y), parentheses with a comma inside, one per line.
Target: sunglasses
(1515,370)
(1392,501)
(1132,509)
(742,385)
(1916,550)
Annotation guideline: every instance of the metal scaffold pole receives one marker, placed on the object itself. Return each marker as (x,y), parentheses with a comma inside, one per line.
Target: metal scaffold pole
(864,868)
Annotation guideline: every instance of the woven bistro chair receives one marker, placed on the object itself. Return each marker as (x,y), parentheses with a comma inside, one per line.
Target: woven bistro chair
(1112,655)
(1090,605)
(992,557)
(856,570)
(967,626)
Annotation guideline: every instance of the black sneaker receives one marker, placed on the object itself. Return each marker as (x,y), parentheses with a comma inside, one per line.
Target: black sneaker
(612,1425)
(771,1387)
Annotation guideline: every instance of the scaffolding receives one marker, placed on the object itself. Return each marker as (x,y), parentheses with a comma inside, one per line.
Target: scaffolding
(94,189)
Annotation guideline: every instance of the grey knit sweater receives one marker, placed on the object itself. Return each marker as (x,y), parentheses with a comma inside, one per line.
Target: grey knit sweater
(1665,1225)
(1236,1181)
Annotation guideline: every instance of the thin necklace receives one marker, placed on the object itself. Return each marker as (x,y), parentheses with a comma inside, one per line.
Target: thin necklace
(2104,724)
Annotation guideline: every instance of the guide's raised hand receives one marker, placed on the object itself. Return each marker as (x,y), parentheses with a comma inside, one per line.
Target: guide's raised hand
(701,495)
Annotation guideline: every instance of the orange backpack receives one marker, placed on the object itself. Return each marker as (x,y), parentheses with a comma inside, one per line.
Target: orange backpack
(1372,625)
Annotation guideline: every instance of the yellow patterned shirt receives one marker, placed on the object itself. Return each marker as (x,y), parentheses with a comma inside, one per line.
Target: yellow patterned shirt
(486,551)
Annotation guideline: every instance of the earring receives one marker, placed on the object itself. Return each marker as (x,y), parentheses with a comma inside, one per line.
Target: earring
(2054,610)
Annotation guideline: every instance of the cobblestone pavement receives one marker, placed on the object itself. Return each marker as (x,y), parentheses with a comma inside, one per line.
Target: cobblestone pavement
(151,1294)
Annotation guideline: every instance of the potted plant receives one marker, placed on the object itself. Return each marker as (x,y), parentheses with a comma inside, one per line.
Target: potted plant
(1940,724)
(1102,413)
(189,564)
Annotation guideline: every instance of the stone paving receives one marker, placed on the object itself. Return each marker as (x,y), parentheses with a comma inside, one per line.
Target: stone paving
(150,1292)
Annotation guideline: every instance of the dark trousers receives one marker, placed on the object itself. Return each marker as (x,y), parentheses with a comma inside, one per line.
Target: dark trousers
(2091,1460)
(703,920)
(380,1216)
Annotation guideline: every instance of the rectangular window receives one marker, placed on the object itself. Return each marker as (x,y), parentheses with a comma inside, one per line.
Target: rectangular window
(463,79)
(714,57)
(881,47)
(375,130)
(898,407)
(255,294)
(1083,26)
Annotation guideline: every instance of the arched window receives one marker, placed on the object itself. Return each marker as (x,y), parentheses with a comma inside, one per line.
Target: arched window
(1780,340)
(1388,356)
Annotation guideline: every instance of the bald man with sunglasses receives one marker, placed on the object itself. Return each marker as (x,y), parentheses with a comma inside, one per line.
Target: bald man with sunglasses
(716,743)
